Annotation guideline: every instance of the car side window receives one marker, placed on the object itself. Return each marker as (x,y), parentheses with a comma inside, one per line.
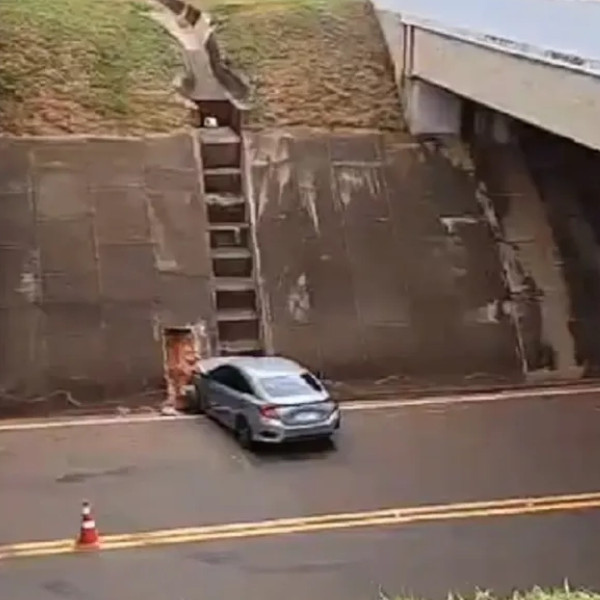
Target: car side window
(231,378)
(220,375)
(240,383)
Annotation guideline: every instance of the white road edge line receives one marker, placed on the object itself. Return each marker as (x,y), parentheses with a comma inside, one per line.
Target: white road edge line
(346,407)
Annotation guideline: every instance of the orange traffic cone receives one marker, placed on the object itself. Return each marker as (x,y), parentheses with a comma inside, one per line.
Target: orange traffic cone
(88,534)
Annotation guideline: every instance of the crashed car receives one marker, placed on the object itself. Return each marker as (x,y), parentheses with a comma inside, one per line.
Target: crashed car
(265,399)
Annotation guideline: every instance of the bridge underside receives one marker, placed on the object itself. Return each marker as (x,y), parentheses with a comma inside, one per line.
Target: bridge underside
(555,98)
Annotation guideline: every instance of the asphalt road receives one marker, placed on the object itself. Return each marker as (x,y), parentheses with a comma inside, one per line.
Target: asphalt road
(189,473)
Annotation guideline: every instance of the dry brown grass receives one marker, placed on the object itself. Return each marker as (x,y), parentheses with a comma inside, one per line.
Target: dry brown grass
(85,66)
(311,62)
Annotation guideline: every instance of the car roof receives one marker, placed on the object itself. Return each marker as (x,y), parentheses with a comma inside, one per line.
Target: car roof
(255,366)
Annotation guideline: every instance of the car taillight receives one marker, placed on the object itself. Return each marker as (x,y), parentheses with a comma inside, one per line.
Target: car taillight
(269,412)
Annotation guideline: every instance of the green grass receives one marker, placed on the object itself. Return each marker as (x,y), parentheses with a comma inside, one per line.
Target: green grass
(85,66)
(564,593)
(310,62)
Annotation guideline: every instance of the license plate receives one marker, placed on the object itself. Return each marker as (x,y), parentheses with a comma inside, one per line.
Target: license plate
(307,417)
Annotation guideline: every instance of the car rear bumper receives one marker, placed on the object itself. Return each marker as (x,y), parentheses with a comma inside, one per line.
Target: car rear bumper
(276,432)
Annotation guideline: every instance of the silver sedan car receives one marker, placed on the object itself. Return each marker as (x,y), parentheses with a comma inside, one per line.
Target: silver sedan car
(265,399)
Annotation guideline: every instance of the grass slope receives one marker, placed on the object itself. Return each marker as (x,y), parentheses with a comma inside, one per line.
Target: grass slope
(85,66)
(311,62)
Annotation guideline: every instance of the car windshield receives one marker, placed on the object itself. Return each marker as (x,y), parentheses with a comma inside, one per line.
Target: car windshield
(281,386)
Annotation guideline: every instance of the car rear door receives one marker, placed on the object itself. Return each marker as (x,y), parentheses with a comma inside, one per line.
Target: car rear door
(230,393)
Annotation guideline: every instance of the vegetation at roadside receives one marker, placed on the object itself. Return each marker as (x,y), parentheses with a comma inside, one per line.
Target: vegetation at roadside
(564,593)
(85,66)
(310,62)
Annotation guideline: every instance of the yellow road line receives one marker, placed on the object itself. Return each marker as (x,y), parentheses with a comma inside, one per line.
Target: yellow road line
(330,522)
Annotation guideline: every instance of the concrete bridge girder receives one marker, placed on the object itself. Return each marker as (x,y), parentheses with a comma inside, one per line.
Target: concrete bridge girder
(436,69)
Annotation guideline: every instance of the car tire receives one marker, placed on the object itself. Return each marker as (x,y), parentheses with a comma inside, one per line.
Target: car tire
(331,440)
(243,434)
(201,404)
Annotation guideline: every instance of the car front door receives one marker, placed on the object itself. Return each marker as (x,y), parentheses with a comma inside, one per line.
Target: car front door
(242,401)
(228,392)
(218,391)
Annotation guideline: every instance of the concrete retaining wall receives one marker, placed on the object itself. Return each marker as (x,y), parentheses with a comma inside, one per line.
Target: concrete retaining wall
(102,242)
(376,260)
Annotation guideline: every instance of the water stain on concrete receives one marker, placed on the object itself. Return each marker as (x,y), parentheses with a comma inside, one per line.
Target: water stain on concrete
(330,566)
(80,476)
(379,260)
(215,559)
(63,589)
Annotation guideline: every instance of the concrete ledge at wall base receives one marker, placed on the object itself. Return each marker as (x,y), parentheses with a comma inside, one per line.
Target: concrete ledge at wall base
(151,401)
(61,403)
(387,388)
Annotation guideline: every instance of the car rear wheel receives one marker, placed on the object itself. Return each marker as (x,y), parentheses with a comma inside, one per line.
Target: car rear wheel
(243,434)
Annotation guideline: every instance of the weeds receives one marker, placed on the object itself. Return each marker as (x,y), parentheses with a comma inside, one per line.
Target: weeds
(79,66)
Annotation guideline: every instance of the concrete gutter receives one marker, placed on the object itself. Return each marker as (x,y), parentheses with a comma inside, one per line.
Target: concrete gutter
(206,76)
(148,404)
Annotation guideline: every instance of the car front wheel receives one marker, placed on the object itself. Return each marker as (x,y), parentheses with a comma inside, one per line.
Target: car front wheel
(243,433)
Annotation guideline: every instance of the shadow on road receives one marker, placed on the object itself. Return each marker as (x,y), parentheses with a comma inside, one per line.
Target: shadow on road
(295,451)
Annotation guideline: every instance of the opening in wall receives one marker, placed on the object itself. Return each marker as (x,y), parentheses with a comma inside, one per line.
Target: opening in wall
(181,351)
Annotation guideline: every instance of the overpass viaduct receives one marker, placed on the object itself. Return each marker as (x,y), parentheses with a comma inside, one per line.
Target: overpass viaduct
(535,60)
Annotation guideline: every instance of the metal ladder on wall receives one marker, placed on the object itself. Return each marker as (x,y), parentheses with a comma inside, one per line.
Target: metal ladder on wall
(234,282)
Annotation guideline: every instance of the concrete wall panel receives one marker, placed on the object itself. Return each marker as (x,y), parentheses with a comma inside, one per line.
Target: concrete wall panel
(102,243)
(73,343)
(183,299)
(57,241)
(121,215)
(136,282)
(179,232)
(169,180)
(16,219)
(170,152)
(375,258)
(22,349)
(14,167)
(133,348)
(70,287)
(61,194)
(115,163)
(19,276)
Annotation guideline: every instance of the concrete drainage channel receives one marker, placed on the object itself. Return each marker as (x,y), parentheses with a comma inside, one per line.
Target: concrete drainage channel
(217,98)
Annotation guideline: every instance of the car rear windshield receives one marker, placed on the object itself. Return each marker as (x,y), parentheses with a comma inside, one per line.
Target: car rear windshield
(281,386)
